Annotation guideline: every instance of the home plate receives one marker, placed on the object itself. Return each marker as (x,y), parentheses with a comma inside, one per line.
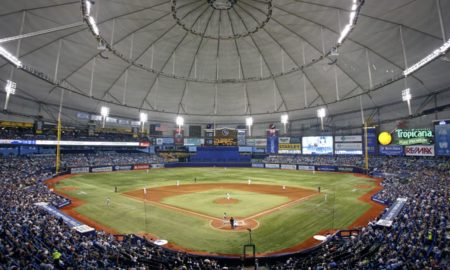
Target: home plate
(320,237)
(239,223)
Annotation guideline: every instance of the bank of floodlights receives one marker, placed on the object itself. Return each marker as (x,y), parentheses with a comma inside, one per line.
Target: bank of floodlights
(249,123)
(321,113)
(406,97)
(143,118)
(10,89)
(427,59)
(87,8)
(180,122)
(104,112)
(350,24)
(284,121)
(10,58)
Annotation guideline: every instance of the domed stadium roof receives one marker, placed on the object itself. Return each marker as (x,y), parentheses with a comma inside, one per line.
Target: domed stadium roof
(223,58)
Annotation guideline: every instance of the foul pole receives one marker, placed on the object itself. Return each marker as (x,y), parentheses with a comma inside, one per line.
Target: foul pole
(366,150)
(145,210)
(58,144)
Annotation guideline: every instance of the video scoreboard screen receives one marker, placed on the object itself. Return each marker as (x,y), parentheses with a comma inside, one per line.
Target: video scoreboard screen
(226,137)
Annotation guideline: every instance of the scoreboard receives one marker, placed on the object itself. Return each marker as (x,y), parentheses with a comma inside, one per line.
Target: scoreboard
(225,137)
(221,137)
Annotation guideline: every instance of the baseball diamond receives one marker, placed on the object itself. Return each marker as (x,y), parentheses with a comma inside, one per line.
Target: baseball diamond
(282,220)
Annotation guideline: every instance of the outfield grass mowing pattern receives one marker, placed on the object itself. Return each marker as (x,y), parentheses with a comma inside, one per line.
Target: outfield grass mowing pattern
(278,230)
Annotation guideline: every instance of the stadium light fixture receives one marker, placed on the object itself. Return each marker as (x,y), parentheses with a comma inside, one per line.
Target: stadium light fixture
(143,118)
(9,57)
(348,27)
(427,59)
(104,111)
(249,124)
(89,19)
(10,89)
(180,122)
(94,26)
(321,113)
(88,7)
(284,120)
(406,96)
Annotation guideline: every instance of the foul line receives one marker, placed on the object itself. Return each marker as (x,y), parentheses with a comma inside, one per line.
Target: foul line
(268,211)
(173,207)
(279,207)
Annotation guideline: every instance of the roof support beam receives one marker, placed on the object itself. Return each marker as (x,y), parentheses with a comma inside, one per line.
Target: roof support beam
(194,60)
(41,32)
(265,61)
(173,51)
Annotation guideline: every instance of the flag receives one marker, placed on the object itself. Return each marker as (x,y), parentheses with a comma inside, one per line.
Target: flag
(161,127)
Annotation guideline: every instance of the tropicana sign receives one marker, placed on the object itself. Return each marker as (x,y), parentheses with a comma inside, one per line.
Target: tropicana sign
(414,136)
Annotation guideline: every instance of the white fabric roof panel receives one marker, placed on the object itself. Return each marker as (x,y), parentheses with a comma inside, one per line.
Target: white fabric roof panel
(204,47)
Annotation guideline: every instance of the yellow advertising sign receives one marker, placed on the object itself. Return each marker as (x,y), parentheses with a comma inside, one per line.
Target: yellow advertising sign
(16,124)
(289,146)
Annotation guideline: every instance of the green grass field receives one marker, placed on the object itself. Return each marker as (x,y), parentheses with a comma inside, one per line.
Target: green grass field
(249,202)
(278,230)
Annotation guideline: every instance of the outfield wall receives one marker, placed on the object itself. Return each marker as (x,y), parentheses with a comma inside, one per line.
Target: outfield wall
(130,167)
(208,164)
(300,167)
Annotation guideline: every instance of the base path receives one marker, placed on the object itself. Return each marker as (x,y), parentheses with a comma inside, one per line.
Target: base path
(156,196)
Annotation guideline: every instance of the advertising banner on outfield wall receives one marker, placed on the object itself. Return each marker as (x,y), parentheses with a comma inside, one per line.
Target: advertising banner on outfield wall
(272,166)
(288,167)
(260,142)
(420,150)
(258,165)
(178,137)
(79,170)
(372,141)
(102,169)
(157,166)
(351,138)
(241,137)
(141,167)
(326,168)
(161,141)
(289,148)
(247,149)
(272,141)
(123,168)
(345,169)
(193,141)
(296,140)
(348,148)
(391,150)
(284,140)
(305,168)
(442,133)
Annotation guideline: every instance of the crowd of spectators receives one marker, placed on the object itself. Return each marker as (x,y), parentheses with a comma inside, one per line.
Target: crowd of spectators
(419,237)
(70,135)
(31,238)
(108,158)
(345,160)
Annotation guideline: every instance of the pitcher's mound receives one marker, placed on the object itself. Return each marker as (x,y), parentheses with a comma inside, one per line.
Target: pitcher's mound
(226,201)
